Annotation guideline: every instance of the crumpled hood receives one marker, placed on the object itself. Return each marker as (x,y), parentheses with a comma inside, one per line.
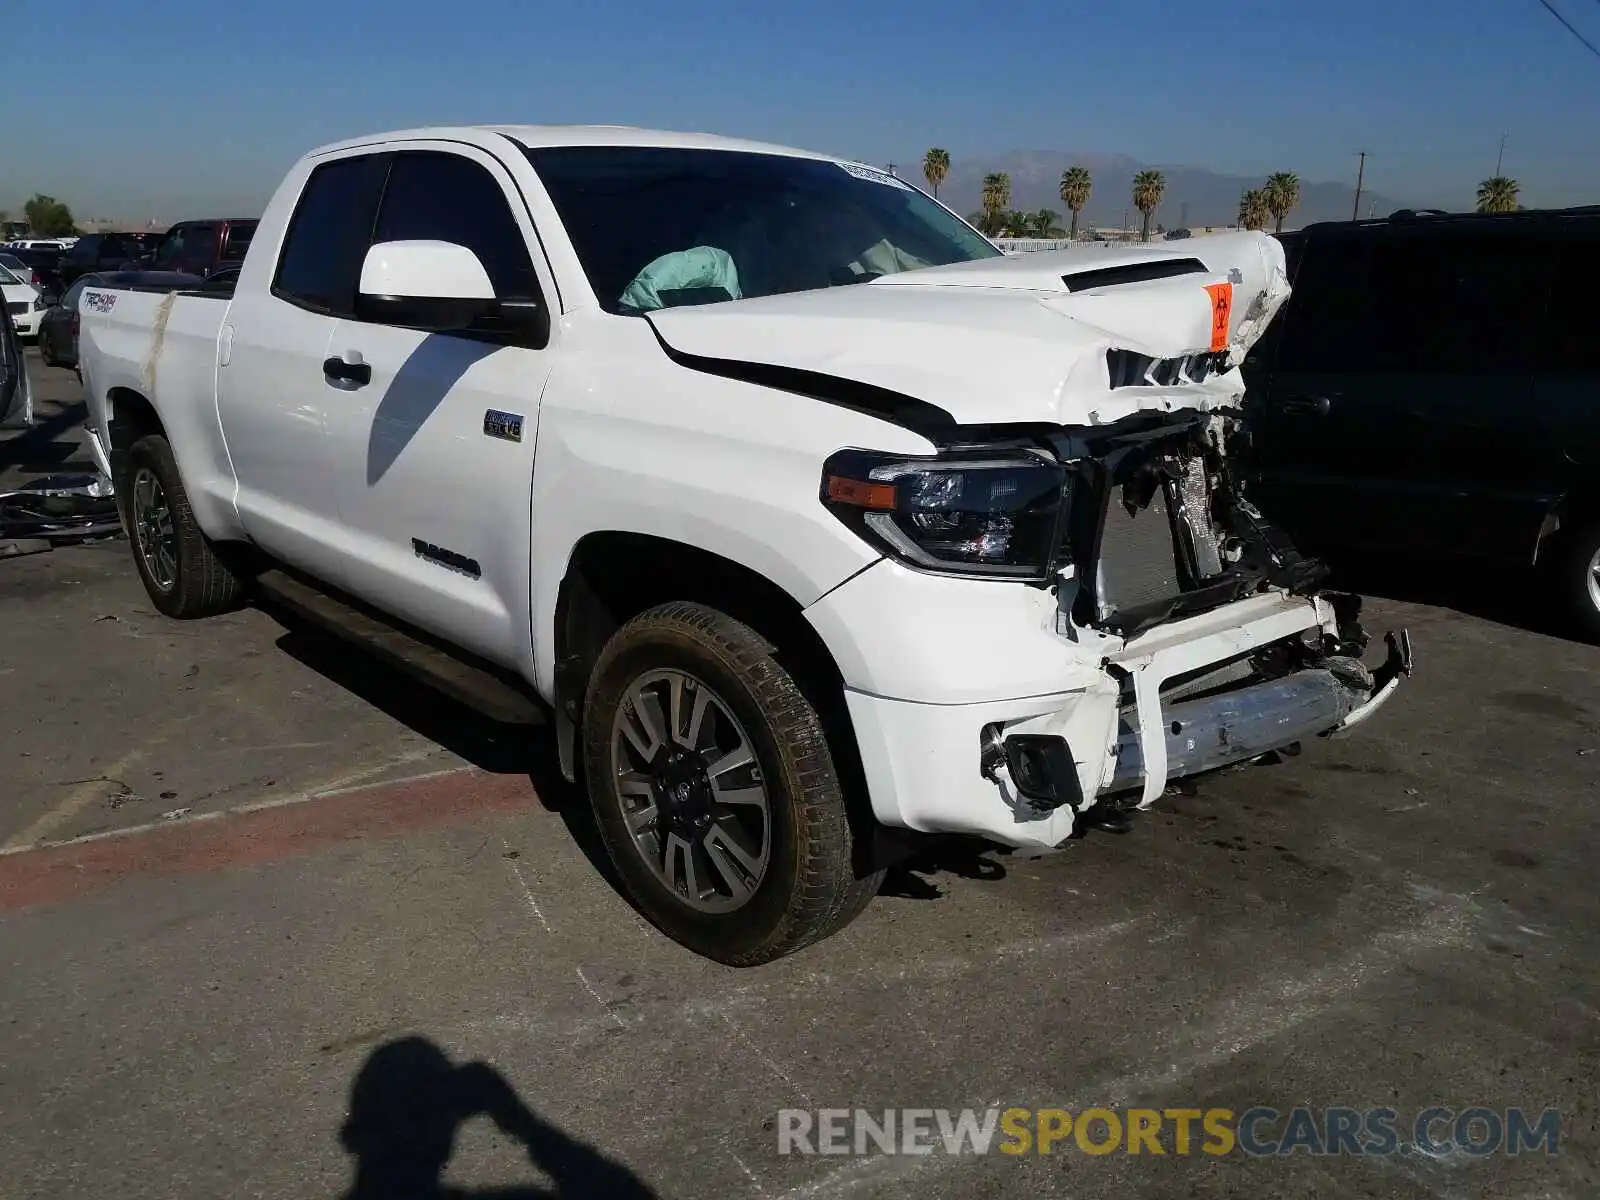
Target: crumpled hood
(1022,338)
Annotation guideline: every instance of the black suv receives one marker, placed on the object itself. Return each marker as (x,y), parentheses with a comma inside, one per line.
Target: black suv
(1431,388)
(103,252)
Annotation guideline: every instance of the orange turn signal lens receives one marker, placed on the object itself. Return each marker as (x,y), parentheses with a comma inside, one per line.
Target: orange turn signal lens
(860,493)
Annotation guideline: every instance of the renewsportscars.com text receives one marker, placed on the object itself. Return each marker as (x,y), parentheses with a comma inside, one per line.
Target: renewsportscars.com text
(1257,1132)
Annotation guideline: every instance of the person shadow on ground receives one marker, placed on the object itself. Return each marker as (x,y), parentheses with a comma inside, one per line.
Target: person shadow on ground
(409,1100)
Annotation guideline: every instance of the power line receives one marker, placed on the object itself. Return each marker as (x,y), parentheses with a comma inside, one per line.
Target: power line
(1572,29)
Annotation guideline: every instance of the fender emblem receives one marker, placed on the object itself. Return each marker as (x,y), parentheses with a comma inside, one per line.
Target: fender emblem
(503,425)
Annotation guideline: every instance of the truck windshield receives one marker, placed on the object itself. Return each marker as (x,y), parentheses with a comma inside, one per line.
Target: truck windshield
(656,227)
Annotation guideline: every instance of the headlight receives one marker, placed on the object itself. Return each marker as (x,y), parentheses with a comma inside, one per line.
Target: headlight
(38,304)
(965,514)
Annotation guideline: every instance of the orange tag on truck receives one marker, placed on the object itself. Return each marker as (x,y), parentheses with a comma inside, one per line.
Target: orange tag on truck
(1221,310)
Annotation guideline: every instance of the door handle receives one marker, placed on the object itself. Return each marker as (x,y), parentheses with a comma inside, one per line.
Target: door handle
(353,374)
(1307,406)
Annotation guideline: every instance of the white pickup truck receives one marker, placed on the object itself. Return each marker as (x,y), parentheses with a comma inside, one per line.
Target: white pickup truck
(809,518)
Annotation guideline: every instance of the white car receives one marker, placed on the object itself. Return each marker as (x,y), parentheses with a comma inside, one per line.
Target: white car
(23,302)
(810,520)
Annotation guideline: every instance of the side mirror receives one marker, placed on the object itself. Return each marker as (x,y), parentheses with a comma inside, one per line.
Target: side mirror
(434,286)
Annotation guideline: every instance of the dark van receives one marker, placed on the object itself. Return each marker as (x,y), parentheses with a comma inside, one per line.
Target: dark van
(1431,389)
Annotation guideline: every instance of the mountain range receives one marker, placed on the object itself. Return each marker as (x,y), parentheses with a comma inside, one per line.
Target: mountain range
(1194,195)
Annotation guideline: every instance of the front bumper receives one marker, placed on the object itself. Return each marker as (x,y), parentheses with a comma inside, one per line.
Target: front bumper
(27,323)
(954,767)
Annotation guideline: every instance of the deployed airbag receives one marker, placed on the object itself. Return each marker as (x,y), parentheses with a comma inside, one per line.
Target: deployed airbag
(701,267)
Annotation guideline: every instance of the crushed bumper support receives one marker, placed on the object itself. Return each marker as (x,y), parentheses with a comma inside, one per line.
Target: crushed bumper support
(1152,741)
(1218,731)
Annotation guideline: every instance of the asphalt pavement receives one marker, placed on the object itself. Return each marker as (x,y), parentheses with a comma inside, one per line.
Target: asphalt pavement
(277,922)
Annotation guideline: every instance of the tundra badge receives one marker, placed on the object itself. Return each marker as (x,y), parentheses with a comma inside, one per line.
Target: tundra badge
(504,425)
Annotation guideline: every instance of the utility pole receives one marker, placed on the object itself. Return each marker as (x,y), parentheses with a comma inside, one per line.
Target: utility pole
(1361,171)
(891,170)
(1501,155)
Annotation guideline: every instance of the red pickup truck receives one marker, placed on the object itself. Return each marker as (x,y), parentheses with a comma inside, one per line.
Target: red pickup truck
(204,247)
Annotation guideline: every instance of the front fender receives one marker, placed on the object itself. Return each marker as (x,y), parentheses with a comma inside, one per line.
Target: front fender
(731,468)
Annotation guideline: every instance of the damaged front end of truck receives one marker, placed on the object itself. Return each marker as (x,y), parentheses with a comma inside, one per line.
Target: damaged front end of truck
(1083,409)
(1216,640)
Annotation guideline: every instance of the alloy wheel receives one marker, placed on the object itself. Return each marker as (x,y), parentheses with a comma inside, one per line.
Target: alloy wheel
(1592,577)
(690,791)
(154,535)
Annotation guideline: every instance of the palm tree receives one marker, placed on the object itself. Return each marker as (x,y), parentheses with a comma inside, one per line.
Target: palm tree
(1253,209)
(1282,194)
(935,166)
(996,199)
(1046,224)
(1148,187)
(1498,195)
(1075,188)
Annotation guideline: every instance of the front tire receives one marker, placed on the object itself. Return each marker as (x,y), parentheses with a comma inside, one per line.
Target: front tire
(715,791)
(182,572)
(1577,574)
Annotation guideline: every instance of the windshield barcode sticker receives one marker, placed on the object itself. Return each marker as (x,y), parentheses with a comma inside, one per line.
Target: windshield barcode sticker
(873,175)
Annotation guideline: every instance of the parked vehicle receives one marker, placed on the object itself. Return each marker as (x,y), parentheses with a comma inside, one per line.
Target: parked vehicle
(204,247)
(38,267)
(841,525)
(98,252)
(17,267)
(1460,417)
(58,328)
(22,301)
(16,391)
(41,243)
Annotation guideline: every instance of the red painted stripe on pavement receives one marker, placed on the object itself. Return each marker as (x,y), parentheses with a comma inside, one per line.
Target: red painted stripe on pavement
(56,873)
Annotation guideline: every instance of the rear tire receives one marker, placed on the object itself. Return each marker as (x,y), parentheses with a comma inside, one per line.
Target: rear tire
(693,687)
(182,572)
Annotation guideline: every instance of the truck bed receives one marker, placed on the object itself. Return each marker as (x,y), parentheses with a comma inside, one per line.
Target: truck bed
(158,348)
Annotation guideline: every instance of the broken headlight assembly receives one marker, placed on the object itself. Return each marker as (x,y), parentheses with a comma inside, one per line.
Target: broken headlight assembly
(994,514)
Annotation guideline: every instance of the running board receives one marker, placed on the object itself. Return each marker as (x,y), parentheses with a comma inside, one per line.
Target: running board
(478,686)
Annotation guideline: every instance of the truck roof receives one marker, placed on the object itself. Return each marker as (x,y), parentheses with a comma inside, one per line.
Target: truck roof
(576,135)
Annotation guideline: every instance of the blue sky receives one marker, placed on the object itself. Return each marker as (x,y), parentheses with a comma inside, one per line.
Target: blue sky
(176,108)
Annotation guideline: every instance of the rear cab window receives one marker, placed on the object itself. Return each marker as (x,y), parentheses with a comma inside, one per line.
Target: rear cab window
(329,233)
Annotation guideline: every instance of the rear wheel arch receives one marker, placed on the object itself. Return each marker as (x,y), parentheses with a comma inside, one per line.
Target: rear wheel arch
(132,417)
